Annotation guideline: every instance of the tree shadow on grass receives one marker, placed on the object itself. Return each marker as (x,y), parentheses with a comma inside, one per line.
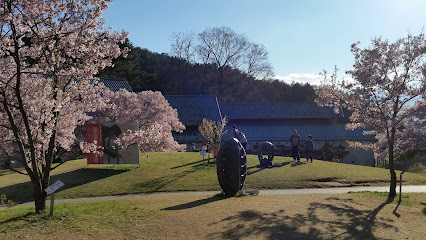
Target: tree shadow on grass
(154,185)
(5,172)
(18,218)
(285,164)
(336,219)
(188,164)
(295,164)
(259,168)
(24,192)
(197,203)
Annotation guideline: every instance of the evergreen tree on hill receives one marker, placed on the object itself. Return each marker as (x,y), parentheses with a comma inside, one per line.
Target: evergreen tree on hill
(146,70)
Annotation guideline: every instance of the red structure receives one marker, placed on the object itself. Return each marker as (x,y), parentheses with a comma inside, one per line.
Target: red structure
(94,133)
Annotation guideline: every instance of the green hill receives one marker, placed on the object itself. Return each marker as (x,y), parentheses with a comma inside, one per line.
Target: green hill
(167,172)
(412,161)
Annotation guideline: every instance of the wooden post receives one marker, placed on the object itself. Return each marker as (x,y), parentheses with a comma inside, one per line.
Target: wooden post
(52,201)
(400,186)
(400,195)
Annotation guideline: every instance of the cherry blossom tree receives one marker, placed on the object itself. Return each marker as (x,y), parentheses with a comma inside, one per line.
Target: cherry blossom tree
(45,45)
(386,93)
(213,132)
(156,119)
(410,135)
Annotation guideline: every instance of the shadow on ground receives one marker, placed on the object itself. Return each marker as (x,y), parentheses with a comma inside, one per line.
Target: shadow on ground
(23,217)
(5,172)
(207,160)
(343,221)
(250,170)
(159,183)
(196,203)
(24,192)
(295,164)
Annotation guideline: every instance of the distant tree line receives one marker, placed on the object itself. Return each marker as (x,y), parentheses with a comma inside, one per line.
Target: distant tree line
(244,75)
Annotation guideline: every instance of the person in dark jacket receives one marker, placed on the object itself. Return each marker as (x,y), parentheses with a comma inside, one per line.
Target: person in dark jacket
(243,140)
(236,133)
(295,143)
(309,148)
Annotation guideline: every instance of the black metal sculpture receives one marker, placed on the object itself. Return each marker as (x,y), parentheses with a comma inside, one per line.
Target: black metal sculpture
(231,167)
(267,147)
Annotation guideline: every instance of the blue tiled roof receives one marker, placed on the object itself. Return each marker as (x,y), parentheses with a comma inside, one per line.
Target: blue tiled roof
(277,110)
(193,108)
(320,132)
(115,84)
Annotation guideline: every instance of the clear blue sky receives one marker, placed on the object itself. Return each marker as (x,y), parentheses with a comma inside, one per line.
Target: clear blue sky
(303,37)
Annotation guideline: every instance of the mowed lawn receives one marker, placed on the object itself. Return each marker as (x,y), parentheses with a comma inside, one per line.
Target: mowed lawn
(341,216)
(184,171)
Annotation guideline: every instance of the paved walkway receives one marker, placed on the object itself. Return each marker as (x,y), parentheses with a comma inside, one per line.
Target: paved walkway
(336,190)
(339,190)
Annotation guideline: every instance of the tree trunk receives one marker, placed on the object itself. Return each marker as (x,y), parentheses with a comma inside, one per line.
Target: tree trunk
(40,197)
(203,80)
(185,75)
(216,147)
(392,189)
(220,84)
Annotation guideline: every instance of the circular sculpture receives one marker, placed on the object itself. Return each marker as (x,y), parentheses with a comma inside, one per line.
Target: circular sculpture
(267,147)
(231,166)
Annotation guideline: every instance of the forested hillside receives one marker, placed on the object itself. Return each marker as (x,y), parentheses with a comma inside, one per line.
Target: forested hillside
(146,70)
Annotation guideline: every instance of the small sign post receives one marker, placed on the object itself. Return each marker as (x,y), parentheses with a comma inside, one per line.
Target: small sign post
(51,190)
(52,201)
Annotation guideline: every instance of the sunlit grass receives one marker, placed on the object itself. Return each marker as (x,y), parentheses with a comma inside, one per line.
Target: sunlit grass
(351,216)
(167,172)
(104,216)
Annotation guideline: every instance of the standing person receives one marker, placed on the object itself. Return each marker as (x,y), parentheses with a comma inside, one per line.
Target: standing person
(243,140)
(235,132)
(295,142)
(309,148)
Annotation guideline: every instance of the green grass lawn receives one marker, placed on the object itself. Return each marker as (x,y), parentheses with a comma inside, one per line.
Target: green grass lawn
(184,172)
(343,216)
(413,160)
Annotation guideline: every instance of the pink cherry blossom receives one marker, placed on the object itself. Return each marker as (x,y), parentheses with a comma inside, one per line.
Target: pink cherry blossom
(45,46)
(386,95)
(151,111)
